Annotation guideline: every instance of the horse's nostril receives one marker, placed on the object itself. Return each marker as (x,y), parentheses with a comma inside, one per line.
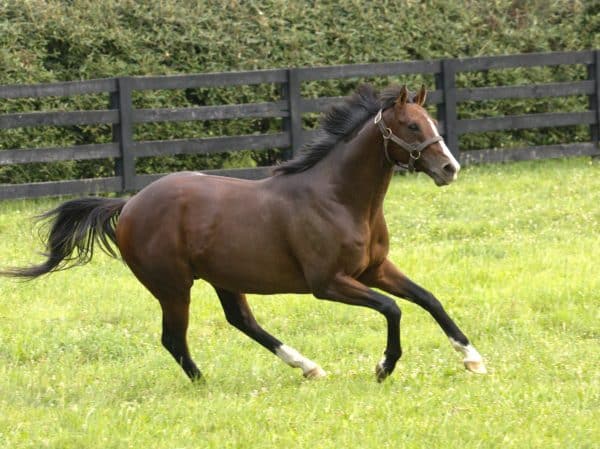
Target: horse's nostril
(449,168)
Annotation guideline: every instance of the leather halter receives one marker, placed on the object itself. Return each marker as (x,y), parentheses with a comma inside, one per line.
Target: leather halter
(414,150)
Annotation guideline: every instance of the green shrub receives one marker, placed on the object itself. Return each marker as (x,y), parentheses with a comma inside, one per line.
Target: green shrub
(52,40)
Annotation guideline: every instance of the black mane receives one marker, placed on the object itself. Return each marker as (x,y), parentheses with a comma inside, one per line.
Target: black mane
(341,120)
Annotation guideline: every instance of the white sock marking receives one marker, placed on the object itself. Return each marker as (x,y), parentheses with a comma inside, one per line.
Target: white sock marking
(469,352)
(296,360)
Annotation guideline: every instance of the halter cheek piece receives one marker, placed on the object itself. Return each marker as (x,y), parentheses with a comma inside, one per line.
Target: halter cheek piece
(414,150)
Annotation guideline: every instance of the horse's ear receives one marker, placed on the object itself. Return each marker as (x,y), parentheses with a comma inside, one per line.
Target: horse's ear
(421,96)
(402,97)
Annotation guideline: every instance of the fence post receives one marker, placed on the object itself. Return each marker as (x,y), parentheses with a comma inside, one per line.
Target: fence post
(295,118)
(447,113)
(286,127)
(123,133)
(594,99)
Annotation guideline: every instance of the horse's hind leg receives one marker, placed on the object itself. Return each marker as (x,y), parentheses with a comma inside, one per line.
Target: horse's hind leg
(174,329)
(173,294)
(238,314)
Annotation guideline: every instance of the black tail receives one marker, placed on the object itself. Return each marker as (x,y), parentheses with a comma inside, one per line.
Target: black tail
(75,226)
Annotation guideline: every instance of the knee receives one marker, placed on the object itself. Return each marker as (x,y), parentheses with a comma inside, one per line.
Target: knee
(427,300)
(391,310)
(434,303)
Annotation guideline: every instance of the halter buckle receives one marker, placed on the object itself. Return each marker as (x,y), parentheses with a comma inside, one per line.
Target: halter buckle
(415,154)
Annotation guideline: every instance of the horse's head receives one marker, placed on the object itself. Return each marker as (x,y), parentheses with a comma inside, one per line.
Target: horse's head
(412,139)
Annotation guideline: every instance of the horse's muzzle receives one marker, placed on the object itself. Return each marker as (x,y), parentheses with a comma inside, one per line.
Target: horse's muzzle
(444,175)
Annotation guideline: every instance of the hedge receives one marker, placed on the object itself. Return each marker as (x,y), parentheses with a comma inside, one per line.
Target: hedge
(46,41)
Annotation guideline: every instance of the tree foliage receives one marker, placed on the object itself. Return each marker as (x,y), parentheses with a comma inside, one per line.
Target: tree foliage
(52,40)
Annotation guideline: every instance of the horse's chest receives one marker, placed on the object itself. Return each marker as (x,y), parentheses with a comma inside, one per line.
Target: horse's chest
(360,251)
(354,256)
(331,240)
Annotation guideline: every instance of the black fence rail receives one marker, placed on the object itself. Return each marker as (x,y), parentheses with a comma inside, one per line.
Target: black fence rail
(290,107)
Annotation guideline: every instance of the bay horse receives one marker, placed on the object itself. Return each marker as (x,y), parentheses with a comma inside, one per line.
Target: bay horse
(315,226)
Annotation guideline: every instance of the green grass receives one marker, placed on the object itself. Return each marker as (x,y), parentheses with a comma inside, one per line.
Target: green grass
(511,250)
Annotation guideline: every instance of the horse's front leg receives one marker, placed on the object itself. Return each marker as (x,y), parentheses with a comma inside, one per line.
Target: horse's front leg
(389,279)
(347,290)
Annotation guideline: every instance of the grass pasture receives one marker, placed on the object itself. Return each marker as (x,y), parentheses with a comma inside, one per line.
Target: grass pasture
(512,251)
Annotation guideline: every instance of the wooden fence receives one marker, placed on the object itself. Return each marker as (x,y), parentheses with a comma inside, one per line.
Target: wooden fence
(290,107)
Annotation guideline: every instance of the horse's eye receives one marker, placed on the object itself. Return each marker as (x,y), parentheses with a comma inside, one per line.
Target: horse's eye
(413,127)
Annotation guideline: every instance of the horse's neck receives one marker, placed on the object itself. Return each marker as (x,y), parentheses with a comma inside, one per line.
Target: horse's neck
(359,174)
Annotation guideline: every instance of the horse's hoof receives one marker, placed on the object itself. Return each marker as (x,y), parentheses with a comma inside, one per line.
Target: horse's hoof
(315,373)
(197,378)
(475,366)
(381,372)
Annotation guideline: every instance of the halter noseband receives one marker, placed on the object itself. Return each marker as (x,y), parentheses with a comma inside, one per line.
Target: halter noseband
(414,150)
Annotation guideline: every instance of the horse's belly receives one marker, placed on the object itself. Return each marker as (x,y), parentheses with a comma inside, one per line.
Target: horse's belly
(251,276)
